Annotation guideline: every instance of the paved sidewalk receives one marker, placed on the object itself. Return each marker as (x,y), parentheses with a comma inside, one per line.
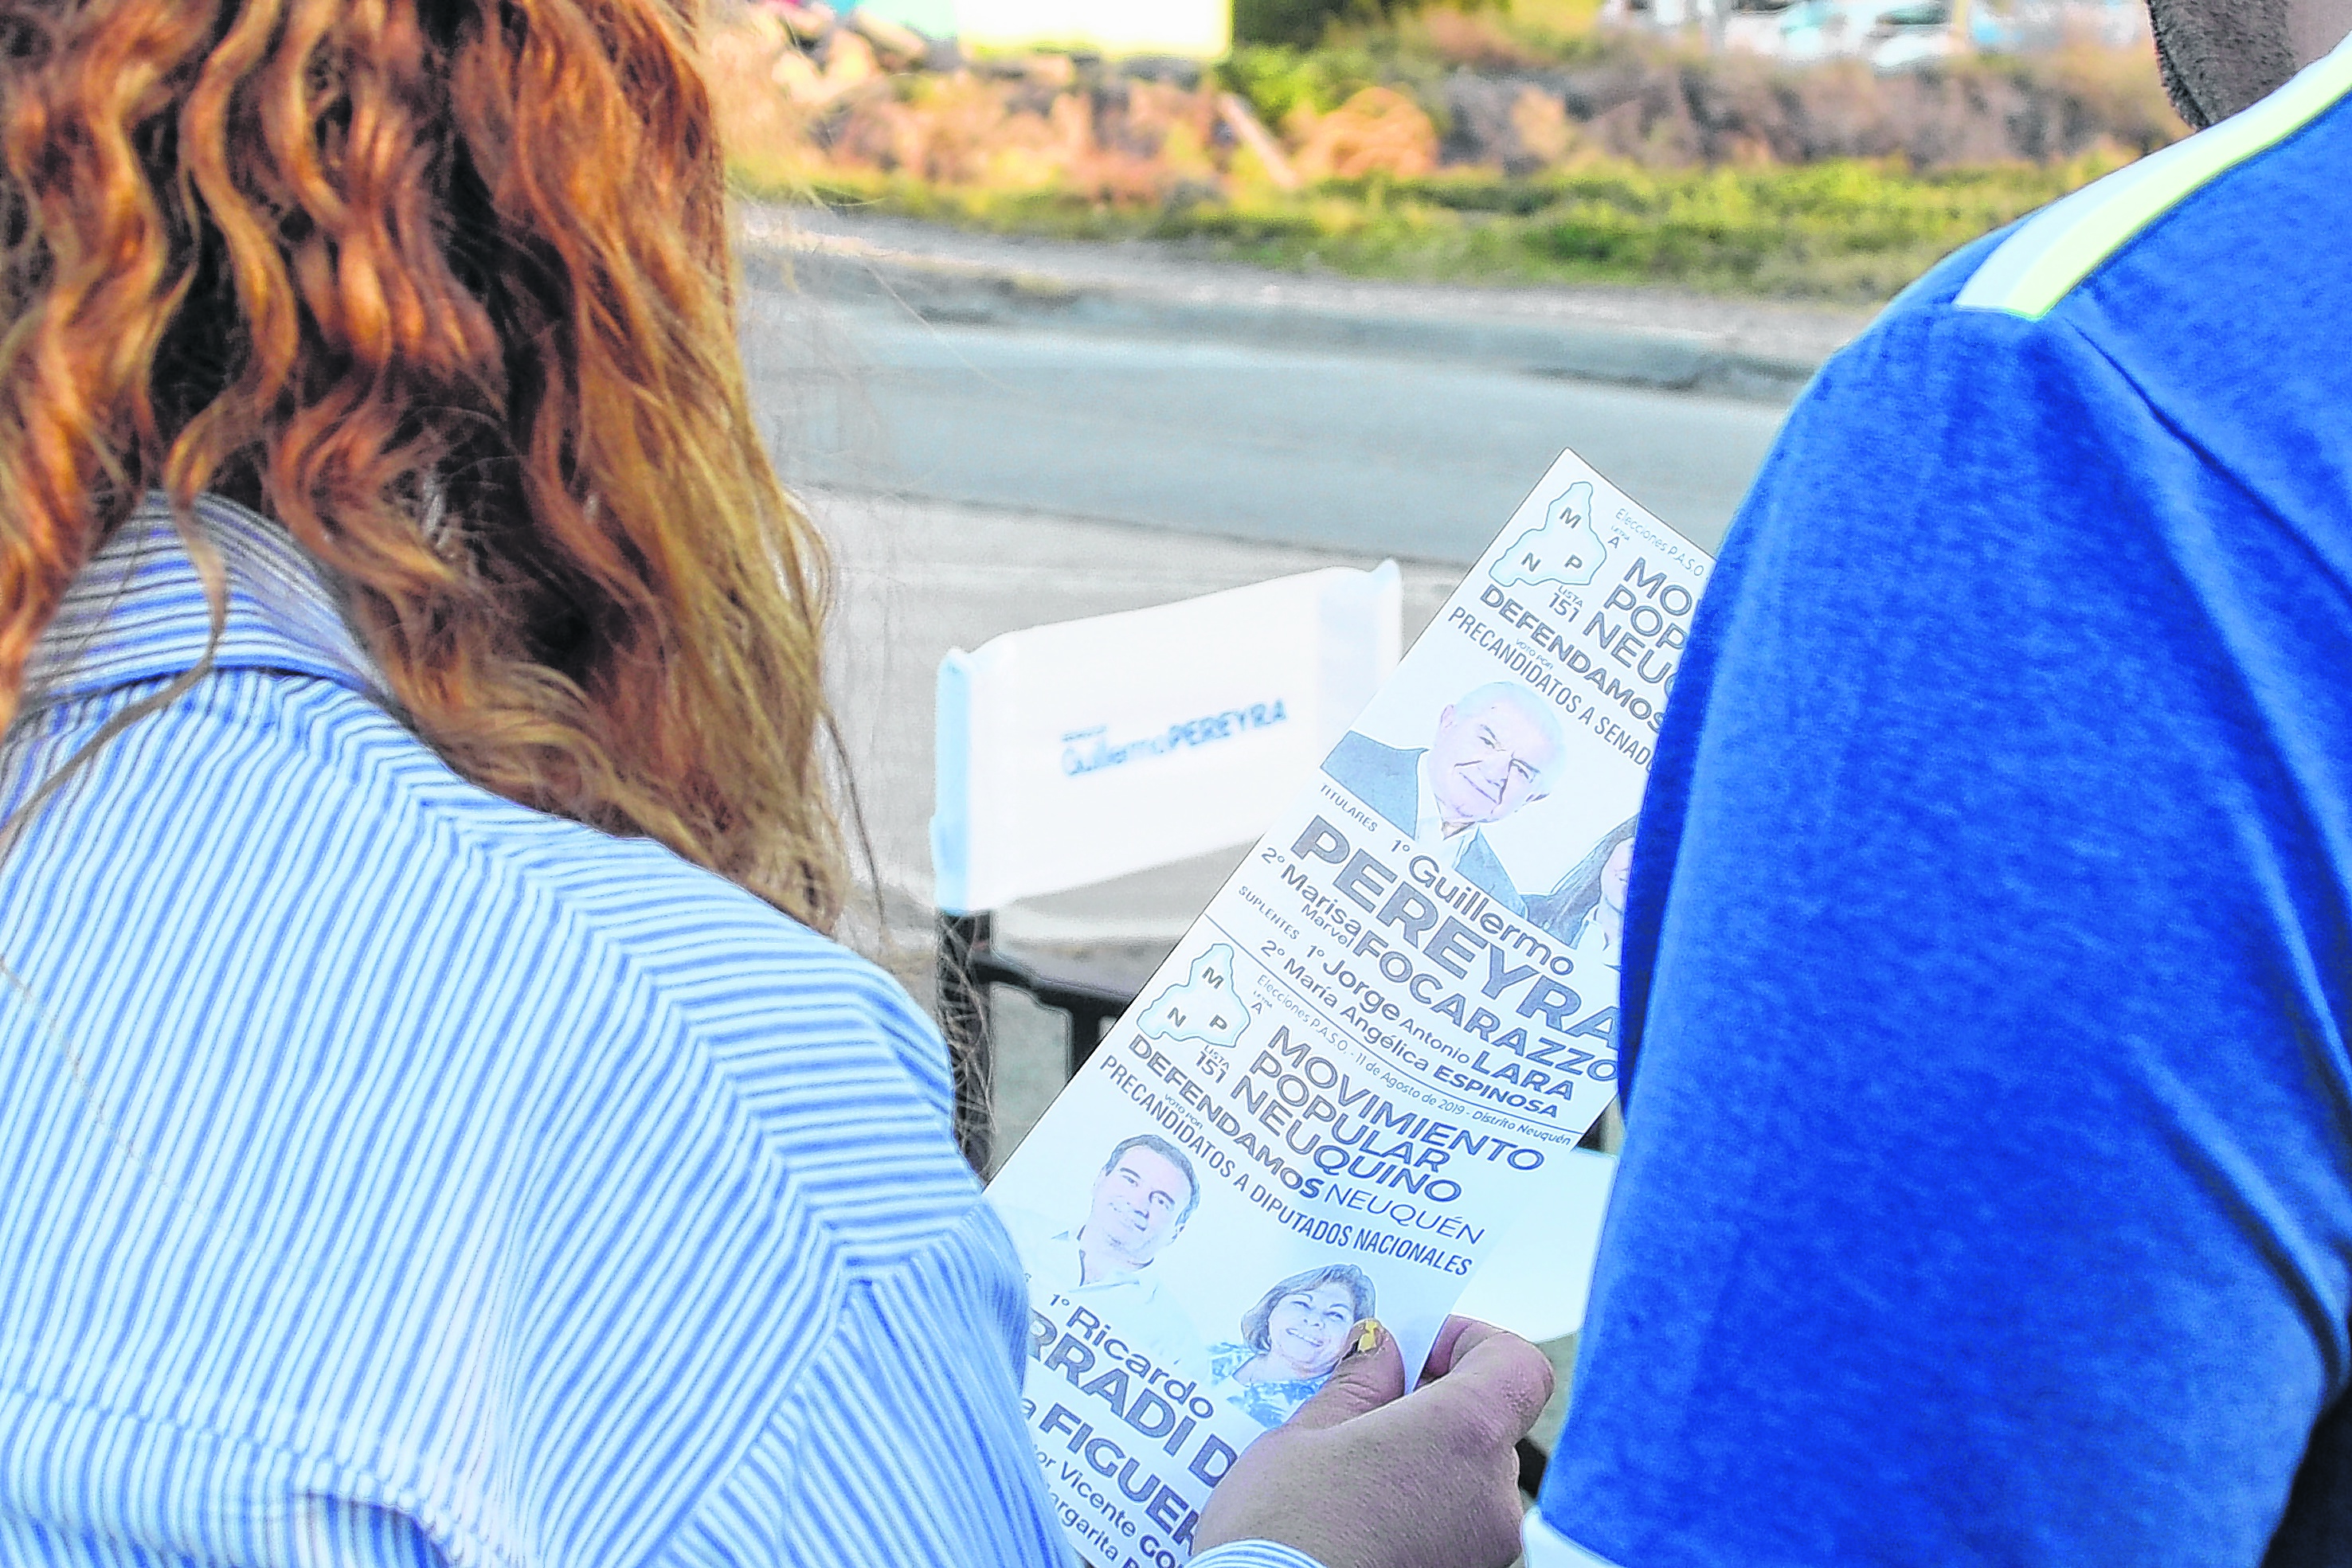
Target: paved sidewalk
(1639,337)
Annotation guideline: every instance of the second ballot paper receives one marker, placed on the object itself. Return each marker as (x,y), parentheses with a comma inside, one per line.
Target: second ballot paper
(1376,1049)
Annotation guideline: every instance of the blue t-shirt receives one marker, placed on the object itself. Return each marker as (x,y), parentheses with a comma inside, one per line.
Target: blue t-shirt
(1988,1189)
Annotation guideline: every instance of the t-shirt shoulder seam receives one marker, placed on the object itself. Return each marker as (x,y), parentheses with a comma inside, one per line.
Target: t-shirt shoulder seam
(2175,428)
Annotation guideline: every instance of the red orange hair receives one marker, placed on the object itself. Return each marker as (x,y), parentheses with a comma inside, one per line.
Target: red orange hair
(441,285)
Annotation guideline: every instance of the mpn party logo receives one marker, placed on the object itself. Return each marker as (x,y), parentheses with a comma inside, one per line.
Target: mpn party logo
(1564,548)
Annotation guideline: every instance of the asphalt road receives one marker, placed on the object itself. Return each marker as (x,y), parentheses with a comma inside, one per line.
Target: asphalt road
(1354,454)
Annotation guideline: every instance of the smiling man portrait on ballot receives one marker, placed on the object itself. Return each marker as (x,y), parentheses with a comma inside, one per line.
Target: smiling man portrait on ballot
(1140,1203)
(1493,751)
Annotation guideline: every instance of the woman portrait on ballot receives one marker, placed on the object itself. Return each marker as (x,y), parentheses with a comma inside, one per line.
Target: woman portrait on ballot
(1290,1342)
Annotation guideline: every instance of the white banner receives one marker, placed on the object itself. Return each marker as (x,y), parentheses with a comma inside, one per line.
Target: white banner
(1073,753)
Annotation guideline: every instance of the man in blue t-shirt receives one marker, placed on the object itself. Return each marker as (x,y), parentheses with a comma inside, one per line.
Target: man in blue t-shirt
(1988,1190)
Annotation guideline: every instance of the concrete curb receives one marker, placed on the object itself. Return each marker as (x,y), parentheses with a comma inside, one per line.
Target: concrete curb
(948,288)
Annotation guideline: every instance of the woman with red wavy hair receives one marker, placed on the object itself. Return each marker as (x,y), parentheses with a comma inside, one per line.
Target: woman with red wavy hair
(439,1128)
(439,289)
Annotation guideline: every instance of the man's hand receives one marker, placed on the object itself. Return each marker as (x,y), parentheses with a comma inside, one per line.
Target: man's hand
(1366,1476)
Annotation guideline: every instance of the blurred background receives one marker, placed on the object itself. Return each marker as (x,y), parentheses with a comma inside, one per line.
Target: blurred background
(1056,307)
(1822,149)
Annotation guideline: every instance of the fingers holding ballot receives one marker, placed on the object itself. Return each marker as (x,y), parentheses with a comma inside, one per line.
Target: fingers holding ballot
(1367,1475)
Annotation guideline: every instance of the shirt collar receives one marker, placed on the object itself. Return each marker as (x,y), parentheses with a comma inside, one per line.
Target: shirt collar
(138,611)
(1429,822)
(1078,1263)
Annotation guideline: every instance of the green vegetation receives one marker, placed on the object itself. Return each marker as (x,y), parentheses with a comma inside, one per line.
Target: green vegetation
(1503,141)
(1848,231)
(1277,79)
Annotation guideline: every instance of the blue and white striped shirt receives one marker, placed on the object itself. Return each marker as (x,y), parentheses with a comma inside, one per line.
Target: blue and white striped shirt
(398,1175)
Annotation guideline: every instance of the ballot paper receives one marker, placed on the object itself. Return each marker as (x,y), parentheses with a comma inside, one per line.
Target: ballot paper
(1374,1054)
